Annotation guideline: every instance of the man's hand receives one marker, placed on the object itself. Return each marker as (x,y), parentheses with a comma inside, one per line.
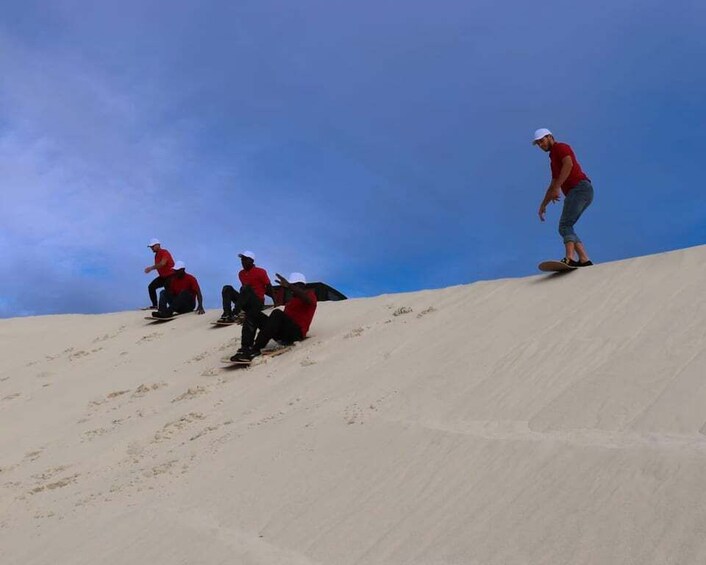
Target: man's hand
(542,211)
(148,269)
(281,280)
(200,310)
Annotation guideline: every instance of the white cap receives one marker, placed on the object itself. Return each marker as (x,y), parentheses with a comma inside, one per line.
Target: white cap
(539,134)
(179,265)
(296,278)
(249,254)
(153,241)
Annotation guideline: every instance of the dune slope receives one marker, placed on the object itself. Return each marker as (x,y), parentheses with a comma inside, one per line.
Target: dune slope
(550,419)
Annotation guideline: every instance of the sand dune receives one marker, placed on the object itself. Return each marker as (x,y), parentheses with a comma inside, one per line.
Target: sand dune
(550,419)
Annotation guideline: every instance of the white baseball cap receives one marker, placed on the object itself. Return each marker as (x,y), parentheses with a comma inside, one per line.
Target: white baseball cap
(179,265)
(296,278)
(539,134)
(249,254)
(153,241)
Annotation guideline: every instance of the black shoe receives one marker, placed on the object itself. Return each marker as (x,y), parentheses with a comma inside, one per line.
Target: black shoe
(161,315)
(573,263)
(586,264)
(246,356)
(567,262)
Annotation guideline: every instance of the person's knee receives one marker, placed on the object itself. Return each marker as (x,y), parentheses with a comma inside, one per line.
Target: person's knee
(564,230)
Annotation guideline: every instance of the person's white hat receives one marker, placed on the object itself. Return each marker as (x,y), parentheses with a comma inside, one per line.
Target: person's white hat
(539,134)
(249,254)
(154,241)
(179,265)
(296,278)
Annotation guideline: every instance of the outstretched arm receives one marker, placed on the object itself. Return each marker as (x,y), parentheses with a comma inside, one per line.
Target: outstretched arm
(296,291)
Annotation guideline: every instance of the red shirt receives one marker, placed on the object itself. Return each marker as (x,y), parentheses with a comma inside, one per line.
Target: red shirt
(167,269)
(257,279)
(177,285)
(301,312)
(556,154)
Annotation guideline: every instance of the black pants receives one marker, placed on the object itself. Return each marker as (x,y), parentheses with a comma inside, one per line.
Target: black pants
(277,326)
(159,282)
(230,300)
(251,305)
(182,303)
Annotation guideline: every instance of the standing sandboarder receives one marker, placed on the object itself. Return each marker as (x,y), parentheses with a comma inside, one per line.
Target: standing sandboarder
(164,265)
(568,177)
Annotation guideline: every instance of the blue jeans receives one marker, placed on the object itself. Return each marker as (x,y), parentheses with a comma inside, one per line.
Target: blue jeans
(579,198)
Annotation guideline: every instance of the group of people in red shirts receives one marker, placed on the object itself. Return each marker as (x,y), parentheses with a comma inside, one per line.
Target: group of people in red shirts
(181,293)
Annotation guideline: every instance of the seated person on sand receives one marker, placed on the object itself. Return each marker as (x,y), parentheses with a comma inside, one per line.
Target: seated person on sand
(251,298)
(181,294)
(164,265)
(286,326)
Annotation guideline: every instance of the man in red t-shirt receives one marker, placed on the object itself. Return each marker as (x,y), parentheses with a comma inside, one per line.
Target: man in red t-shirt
(255,284)
(568,177)
(287,326)
(164,265)
(181,294)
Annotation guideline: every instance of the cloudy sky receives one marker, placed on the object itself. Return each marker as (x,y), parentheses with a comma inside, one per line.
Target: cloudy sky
(377,146)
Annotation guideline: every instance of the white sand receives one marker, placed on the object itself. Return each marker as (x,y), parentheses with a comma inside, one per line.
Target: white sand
(554,419)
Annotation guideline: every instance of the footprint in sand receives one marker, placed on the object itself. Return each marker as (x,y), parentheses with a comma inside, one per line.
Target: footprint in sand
(191,393)
(427,311)
(144,389)
(150,337)
(402,310)
(354,333)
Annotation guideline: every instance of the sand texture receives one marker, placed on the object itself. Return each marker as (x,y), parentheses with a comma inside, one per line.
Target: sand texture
(556,419)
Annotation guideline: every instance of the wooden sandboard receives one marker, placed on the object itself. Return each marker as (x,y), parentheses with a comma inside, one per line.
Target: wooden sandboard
(555,267)
(265,353)
(159,320)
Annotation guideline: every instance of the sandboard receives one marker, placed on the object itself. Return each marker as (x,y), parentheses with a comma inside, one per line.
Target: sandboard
(159,320)
(265,353)
(555,267)
(221,324)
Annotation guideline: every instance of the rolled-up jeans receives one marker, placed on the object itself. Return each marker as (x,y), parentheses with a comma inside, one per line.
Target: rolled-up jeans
(578,199)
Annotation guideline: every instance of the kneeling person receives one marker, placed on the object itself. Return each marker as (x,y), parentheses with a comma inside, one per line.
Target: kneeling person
(289,325)
(181,294)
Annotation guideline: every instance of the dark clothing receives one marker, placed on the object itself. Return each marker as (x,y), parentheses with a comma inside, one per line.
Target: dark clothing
(277,326)
(159,282)
(182,303)
(230,301)
(251,305)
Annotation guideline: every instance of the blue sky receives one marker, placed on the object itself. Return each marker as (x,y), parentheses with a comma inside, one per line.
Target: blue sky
(377,146)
